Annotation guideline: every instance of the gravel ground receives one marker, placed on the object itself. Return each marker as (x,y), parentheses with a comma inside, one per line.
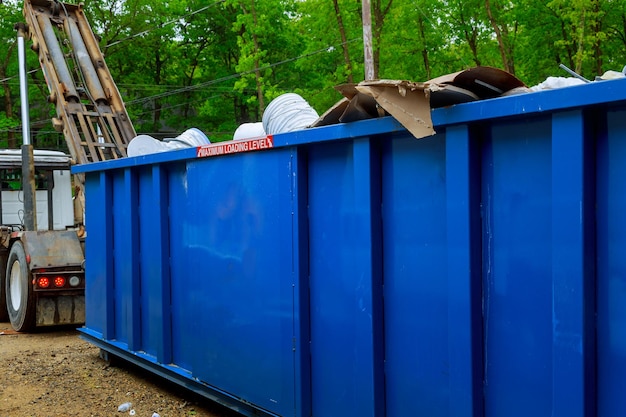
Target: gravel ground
(56,373)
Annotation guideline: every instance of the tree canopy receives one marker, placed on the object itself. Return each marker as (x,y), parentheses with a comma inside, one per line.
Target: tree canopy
(216,64)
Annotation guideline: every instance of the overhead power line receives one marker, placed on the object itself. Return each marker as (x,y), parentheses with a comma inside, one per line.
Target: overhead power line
(170,22)
(233,76)
(215,81)
(219,80)
(181,90)
(15,76)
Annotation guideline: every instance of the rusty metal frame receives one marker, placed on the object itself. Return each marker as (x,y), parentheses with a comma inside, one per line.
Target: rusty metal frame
(89,109)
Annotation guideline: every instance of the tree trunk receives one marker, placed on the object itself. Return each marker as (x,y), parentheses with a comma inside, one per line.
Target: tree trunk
(158,67)
(596,27)
(344,42)
(580,42)
(622,34)
(471,35)
(379,13)
(473,44)
(425,59)
(8,101)
(505,52)
(257,72)
(189,81)
(8,106)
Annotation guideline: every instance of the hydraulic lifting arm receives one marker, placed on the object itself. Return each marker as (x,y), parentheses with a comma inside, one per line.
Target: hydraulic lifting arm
(90,110)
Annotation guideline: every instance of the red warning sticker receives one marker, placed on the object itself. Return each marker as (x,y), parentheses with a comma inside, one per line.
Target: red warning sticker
(235,146)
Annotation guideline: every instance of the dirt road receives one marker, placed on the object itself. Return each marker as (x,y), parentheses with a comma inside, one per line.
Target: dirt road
(55,373)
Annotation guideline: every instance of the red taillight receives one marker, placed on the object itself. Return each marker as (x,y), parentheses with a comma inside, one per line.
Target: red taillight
(43,282)
(59,281)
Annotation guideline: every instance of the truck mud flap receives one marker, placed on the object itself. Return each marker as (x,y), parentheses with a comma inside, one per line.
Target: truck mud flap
(65,309)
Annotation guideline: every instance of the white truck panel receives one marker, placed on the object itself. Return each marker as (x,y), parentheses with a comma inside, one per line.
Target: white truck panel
(62,205)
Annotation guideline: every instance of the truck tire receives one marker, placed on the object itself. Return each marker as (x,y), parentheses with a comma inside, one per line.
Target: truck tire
(19,293)
(4,316)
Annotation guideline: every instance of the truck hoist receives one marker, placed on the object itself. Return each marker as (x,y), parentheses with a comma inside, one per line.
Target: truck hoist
(42,268)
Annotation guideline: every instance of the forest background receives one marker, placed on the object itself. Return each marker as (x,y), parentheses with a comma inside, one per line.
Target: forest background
(214,65)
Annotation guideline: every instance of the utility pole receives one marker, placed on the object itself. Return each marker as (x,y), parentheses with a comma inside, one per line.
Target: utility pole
(28,165)
(367,40)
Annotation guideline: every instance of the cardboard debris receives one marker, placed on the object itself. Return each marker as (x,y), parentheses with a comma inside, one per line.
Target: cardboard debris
(361,106)
(478,82)
(407,101)
(354,106)
(332,115)
(349,91)
(411,102)
(447,95)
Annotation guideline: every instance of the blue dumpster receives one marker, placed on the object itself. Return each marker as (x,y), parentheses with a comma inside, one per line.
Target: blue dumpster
(354,270)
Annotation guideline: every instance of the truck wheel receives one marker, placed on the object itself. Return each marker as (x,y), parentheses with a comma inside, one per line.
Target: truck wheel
(19,293)
(3,301)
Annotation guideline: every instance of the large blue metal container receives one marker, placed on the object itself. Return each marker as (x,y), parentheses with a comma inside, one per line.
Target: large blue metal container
(353,270)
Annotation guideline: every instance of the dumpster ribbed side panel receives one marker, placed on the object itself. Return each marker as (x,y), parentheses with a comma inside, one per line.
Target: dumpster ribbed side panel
(203,287)
(517,253)
(464,278)
(574,353)
(236,234)
(125,263)
(154,255)
(99,256)
(417,367)
(356,270)
(611,265)
(345,279)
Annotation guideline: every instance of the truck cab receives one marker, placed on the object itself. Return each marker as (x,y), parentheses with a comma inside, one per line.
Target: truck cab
(41,271)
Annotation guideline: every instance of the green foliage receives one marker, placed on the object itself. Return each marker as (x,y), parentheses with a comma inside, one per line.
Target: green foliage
(8,123)
(215,65)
